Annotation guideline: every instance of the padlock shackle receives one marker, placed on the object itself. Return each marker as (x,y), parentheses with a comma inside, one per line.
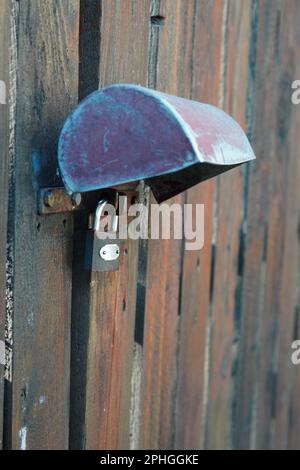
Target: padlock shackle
(99,212)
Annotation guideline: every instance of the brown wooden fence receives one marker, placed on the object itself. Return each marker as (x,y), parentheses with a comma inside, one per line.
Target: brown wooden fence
(178,349)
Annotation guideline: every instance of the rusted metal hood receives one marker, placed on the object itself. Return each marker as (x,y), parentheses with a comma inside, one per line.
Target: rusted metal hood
(127,133)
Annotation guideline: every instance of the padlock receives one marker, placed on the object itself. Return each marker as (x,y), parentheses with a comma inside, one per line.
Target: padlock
(102,251)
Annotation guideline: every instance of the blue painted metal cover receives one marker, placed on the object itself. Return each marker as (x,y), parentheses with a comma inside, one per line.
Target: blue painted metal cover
(127,133)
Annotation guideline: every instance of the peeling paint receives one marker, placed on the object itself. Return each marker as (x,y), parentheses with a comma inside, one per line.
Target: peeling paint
(2,352)
(23,437)
(30,319)
(42,399)
(2,92)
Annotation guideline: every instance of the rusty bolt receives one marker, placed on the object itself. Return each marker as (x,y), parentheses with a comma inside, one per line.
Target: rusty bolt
(49,199)
(76,199)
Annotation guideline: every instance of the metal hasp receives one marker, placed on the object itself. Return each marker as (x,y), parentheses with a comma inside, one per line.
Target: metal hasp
(127,133)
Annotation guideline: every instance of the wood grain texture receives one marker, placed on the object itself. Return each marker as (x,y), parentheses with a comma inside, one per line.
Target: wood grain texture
(283,241)
(159,369)
(104,303)
(263,407)
(287,427)
(267,374)
(251,346)
(191,401)
(124,58)
(4,135)
(47,90)
(201,358)
(223,342)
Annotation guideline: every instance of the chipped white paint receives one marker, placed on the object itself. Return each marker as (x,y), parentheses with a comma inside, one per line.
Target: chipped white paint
(30,318)
(2,352)
(42,400)
(23,437)
(2,92)
(135,408)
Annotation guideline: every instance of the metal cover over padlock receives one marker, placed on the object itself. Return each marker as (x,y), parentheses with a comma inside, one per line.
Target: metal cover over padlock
(127,133)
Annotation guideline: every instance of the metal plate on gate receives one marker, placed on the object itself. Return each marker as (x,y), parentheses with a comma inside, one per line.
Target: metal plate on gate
(110,252)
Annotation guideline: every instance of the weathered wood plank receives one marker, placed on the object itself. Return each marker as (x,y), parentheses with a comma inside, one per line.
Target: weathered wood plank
(286,409)
(287,427)
(104,303)
(266,418)
(284,226)
(274,411)
(159,373)
(262,258)
(279,102)
(89,60)
(4,135)
(47,90)
(196,273)
(230,207)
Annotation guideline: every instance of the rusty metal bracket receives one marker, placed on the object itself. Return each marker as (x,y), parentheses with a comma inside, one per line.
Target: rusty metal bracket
(58,200)
(55,200)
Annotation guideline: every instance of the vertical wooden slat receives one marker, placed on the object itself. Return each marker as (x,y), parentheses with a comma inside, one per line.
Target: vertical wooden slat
(4,131)
(159,374)
(196,274)
(284,225)
(287,429)
(279,102)
(286,405)
(254,258)
(267,222)
(256,395)
(124,58)
(89,59)
(104,303)
(47,71)
(237,20)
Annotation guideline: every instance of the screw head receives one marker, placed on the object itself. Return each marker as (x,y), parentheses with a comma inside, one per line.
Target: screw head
(49,199)
(76,199)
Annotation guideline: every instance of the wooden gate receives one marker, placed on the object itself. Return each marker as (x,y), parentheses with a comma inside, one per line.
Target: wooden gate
(178,349)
